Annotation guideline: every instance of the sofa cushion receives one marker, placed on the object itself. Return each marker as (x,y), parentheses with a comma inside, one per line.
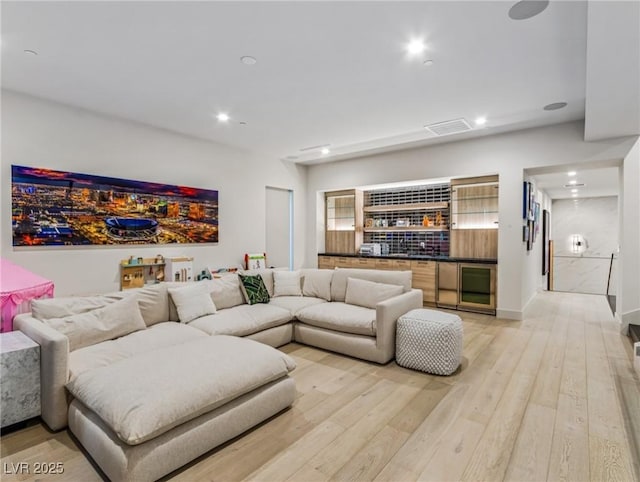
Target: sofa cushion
(340,276)
(47,308)
(142,397)
(111,351)
(287,283)
(317,283)
(112,321)
(173,312)
(293,304)
(253,289)
(342,317)
(153,301)
(369,293)
(243,320)
(226,291)
(192,301)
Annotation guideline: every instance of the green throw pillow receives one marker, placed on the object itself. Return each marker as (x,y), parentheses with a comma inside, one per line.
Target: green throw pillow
(254,289)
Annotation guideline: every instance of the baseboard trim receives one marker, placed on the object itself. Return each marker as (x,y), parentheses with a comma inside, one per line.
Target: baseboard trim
(509,314)
(631,317)
(626,319)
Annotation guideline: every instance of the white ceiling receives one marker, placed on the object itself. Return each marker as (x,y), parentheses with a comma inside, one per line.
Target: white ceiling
(596,182)
(327,72)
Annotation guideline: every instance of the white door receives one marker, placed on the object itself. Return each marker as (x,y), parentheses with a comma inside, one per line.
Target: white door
(279,235)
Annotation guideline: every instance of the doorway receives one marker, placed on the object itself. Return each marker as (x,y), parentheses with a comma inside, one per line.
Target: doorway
(584,228)
(279,227)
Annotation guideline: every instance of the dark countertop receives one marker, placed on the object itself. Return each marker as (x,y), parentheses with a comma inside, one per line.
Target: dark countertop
(417,257)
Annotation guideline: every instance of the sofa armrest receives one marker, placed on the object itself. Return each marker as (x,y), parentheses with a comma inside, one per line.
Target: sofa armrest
(54,368)
(387,314)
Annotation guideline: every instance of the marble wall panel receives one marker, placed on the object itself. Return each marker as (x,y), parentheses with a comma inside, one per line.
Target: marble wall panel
(596,220)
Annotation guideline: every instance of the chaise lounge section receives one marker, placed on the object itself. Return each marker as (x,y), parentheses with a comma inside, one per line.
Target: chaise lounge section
(112,361)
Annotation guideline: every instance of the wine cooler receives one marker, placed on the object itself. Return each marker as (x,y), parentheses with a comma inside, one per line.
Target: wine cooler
(477,287)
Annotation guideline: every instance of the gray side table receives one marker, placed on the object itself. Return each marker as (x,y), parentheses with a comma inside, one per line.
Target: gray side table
(19,378)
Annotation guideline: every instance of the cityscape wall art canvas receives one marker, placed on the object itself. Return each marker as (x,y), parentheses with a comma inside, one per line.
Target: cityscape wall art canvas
(53,208)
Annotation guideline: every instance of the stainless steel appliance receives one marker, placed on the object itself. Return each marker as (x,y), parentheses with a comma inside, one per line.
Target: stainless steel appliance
(370,249)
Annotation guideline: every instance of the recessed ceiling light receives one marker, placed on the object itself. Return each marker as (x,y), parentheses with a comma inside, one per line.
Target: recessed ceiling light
(555,106)
(30,52)
(248,60)
(324,151)
(480,121)
(574,195)
(525,9)
(574,190)
(573,181)
(222,117)
(571,173)
(416,47)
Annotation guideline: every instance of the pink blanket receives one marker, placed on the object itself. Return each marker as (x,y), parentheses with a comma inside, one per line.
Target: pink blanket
(18,286)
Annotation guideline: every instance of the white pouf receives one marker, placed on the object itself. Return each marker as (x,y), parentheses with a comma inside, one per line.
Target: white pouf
(429,341)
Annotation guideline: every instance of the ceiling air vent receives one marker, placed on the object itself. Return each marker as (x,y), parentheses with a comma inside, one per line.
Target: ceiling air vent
(579,184)
(455,126)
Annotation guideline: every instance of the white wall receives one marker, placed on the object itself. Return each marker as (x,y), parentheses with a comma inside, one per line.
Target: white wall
(595,219)
(505,154)
(44,134)
(532,278)
(628,297)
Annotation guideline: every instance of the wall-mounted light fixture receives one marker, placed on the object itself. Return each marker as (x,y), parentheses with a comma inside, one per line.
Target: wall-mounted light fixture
(578,244)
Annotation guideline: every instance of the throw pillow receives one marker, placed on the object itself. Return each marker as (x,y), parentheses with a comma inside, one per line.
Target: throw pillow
(112,321)
(317,283)
(192,301)
(286,283)
(226,291)
(266,274)
(254,289)
(368,293)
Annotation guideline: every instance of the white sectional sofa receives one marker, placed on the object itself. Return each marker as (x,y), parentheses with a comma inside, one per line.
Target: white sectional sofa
(148,394)
(363,326)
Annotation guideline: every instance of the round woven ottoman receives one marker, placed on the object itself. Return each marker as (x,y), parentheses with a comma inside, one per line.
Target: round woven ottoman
(429,341)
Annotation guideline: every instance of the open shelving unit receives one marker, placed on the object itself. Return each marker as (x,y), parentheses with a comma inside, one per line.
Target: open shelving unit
(395,217)
(139,274)
(410,229)
(343,221)
(474,217)
(428,206)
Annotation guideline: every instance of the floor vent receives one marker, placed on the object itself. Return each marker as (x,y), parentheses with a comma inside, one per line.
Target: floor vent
(455,126)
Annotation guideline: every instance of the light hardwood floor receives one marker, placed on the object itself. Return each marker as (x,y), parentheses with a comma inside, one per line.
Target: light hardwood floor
(553,397)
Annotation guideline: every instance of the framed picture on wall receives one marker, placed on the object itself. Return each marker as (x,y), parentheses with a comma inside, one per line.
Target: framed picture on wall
(545,241)
(61,208)
(525,233)
(525,200)
(532,200)
(530,227)
(536,220)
